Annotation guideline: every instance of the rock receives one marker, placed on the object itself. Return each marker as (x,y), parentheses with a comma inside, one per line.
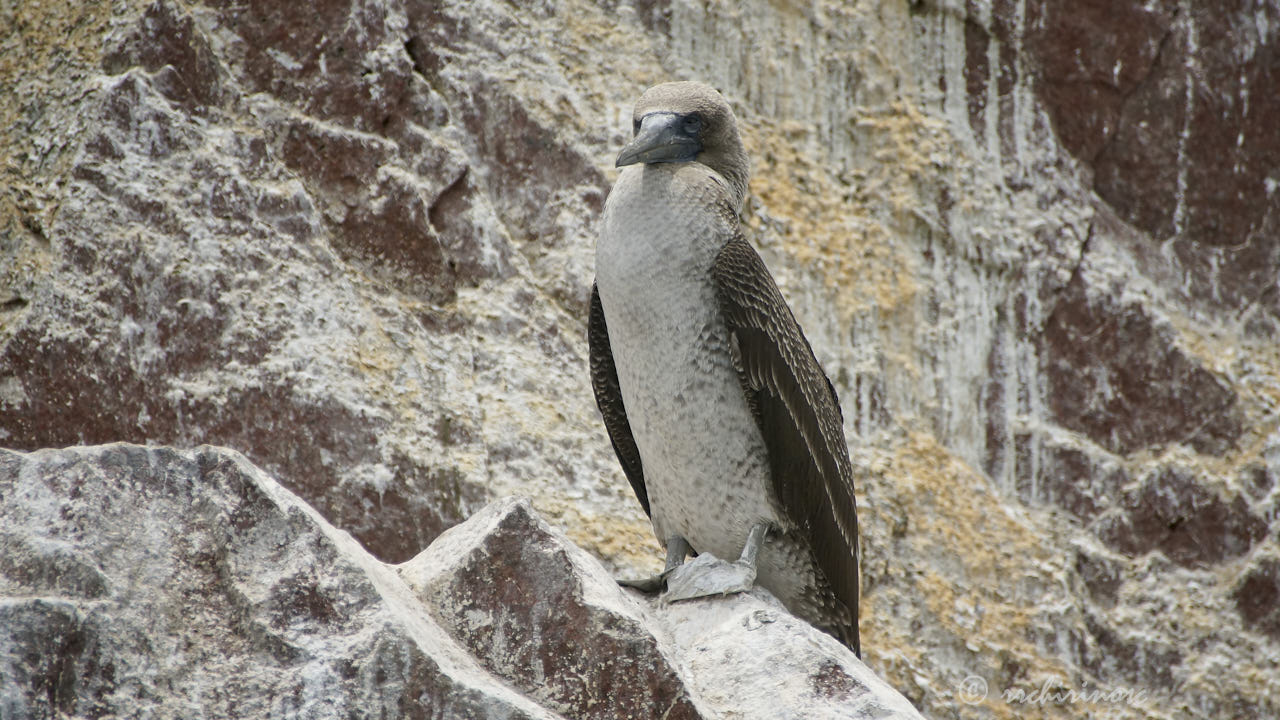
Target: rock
(148,581)
(589,649)
(1165,114)
(545,617)
(1174,512)
(152,582)
(733,650)
(1258,597)
(1117,376)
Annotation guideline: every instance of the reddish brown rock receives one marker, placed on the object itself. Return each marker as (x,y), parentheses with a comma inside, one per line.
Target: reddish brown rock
(1195,142)
(1164,107)
(330,63)
(1257,597)
(522,157)
(167,42)
(177,231)
(1171,511)
(1114,374)
(517,599)
(151,318)
(1090,56)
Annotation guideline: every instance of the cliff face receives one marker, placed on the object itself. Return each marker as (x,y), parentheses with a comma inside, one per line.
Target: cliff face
(1034,244)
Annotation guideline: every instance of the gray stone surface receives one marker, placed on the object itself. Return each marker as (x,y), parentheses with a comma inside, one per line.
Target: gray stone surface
(151,582)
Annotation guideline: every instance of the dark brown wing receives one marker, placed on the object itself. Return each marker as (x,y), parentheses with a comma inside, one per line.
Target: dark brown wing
(798,413)
(604,381)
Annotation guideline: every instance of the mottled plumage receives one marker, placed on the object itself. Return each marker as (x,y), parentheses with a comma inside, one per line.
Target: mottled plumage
(713,399)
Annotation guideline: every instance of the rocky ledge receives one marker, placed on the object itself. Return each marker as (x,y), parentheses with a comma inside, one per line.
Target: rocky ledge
(161,583)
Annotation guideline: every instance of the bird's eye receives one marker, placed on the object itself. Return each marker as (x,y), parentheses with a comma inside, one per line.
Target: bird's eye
(692,124)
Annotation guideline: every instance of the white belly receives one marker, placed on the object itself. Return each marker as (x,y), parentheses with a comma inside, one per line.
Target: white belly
(705,464)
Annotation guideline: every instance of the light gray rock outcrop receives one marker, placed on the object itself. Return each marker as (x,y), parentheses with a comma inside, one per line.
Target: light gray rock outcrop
(158,583)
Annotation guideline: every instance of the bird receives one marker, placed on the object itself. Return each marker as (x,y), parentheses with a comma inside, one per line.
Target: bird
(725,424)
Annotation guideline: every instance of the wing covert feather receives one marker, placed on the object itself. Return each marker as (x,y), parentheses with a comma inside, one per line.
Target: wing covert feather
(799,415)
(604,383)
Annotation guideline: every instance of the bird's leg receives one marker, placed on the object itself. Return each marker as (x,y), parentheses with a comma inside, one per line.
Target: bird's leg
(677,550)
(709,575)
(755,538)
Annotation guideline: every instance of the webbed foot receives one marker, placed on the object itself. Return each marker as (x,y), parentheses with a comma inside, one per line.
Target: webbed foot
(709,575)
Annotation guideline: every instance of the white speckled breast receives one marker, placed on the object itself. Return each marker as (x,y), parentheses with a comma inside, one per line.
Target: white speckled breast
(705,463)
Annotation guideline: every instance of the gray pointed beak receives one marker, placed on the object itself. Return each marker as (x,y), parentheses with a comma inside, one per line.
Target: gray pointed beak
(662,138)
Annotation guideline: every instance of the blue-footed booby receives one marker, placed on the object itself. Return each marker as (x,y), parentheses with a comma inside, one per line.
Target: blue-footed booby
(724,422)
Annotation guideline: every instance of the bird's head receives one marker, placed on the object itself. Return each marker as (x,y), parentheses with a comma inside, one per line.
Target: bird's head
(688,122)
